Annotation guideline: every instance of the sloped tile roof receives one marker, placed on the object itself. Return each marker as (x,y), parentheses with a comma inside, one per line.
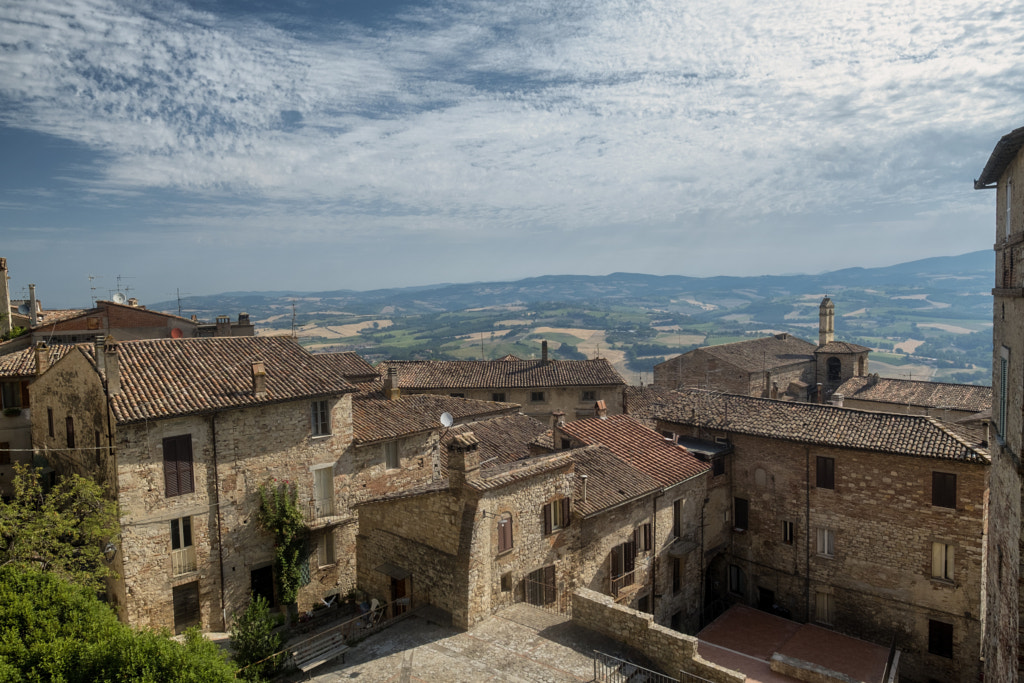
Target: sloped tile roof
(23,363)
(162,378)
(374,418)
(765,353)
(502,439)
(842,347)
(610,480)
(355,368)
(913,435)
(502,374)
(917,393)
(511,472)
(1003,153)
(640,447)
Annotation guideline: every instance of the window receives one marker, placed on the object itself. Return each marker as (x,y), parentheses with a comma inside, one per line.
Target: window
(677,518)
(323,486)
(325,548)
(677,574)
(943,490)
(178,465)
(787,532)
(826,473)
(737,580)
(537,396)
(742,513)
(718,466)
(835,369)
(1009,207)
(556,515)
(183,553)
(1004,367)
(506,582)
(826,542)
(457,395)
(391,460)
(10,395)
(505,533)
(588,396)
(642,537)
(5,453)
(824,610)
(498,396)
(321,418)
(942,561)
(622,565)
(49,421)
(940,638)
(185,602)
(69,430)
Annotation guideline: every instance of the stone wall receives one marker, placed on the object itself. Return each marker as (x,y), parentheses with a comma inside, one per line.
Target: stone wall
(883,525)
(601,532)
(687,550)
(567,399)
(670,650)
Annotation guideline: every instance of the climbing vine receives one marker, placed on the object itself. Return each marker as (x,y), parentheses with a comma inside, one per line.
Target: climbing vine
(280,515)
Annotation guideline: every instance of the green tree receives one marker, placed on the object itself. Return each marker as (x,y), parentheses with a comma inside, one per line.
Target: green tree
(280,515)
(253,639)
(55,630)
(64,530)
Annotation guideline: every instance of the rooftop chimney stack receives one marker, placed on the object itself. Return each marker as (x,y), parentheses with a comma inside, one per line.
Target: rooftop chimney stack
(223,326)
(601,410)
(544,351)
(583,479)
(33,318)
(113,370)
(42,358)
(557,436)
(99,344)
(259,379)
(463,459)
(391,390)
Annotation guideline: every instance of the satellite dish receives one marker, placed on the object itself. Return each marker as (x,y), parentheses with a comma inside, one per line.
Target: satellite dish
(118,298)
(23,309)
(447,420)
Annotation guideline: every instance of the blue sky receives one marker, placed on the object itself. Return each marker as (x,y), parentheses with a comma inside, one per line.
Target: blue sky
(320,145)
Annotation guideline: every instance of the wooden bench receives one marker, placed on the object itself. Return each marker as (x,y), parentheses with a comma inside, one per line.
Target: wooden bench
(312,652)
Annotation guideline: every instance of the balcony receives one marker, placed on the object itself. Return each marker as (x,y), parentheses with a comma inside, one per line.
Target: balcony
(618,583)
(323,513)
(183,560)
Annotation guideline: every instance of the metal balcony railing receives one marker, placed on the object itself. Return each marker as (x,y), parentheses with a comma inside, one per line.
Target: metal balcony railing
(320,508)
(183,560)
(620,582)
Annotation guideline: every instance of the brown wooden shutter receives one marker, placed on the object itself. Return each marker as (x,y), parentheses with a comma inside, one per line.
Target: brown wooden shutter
(170,467)
(185,482)
(547,518)
(24,395)
(565,511)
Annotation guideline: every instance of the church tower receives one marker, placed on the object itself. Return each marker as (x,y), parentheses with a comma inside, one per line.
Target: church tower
(826,321)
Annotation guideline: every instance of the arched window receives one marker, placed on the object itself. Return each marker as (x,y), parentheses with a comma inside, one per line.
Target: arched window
(835,369)
(861,370)
(505,532)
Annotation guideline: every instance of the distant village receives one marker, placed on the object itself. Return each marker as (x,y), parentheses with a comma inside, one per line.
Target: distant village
(773,485)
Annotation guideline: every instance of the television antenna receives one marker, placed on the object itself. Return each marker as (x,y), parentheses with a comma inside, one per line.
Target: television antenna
(177,295)
(93,288)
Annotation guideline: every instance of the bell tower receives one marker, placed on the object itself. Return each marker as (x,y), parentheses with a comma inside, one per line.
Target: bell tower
(826,321)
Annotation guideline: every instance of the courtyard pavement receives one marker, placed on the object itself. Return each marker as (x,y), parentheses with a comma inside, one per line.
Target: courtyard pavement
(518,644)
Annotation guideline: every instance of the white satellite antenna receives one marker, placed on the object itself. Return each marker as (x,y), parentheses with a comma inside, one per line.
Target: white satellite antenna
(447,420)
(118,298)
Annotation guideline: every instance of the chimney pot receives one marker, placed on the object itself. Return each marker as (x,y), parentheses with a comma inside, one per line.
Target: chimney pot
(99,344)
(601,410)
(583,478)
(391,390)
(259,379)
(544,351)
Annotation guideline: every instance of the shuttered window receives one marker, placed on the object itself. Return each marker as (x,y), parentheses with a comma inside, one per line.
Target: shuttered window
(505,533)
(556,515)
(642,537)
(69,430)
(943,490)
(943,560)
(178,465)
(826,471)
(186,606)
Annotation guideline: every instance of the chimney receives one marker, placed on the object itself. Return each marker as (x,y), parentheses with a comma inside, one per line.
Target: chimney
(113,370)
(133,302)
(583,479)
(558,439)
(463,459)
(821,393)
(42,358)
(544,351)
(243,318)
(391,390)
(601,410)
(99,344)
(32,317)
(259,379)
(223,326)
(872,379)
(836,400)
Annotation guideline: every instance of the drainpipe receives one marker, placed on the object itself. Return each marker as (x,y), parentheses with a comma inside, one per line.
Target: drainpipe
(216,503)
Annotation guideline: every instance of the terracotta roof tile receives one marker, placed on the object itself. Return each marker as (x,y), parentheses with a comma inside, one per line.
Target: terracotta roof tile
(842,347)
(913,435)
(610,480)
(502,374)
(23,363)
(765,353)
(162,378)
(509,473)
(375,418)
(502,439)
(354,367)
(639,446)
(914,392)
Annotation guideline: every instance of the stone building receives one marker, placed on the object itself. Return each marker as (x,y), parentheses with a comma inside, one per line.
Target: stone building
(1003,649)
(17,372)
(947,401)
(869,523)
(539,386)
(781,366)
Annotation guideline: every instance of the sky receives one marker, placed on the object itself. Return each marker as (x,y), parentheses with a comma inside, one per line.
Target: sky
(202,147)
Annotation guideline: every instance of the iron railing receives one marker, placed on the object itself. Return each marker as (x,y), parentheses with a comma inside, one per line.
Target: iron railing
(611,669)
